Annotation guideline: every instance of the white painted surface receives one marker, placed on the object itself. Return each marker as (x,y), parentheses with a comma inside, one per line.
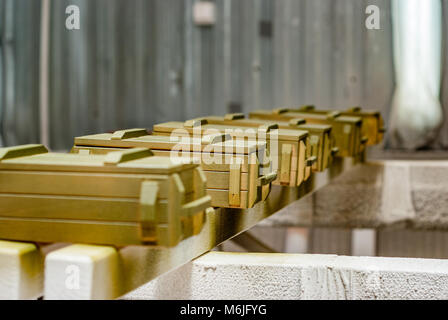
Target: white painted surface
(81,272)
(21,268)
(219,275)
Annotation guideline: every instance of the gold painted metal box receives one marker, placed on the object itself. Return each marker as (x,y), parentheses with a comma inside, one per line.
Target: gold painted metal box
(238,172)
(320,148)
(372,121)
(127,197)
(346,129)
(287,148)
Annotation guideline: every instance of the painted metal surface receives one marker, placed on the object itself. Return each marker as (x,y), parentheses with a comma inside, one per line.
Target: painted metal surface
(145,62)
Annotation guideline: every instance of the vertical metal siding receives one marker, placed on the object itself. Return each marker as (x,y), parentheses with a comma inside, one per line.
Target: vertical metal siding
(135,63)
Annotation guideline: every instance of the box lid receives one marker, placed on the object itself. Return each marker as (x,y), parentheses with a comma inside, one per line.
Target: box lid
(266,130)
(315,127)
(294,123)
(136,160)
(131,138)
(357,111)
(330,115)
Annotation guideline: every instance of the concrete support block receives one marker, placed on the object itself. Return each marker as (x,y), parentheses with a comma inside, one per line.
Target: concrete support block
(392,193)
(21,270)
(82,272)
(238,276)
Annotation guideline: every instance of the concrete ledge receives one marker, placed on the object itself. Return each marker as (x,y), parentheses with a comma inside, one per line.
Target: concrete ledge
(404,194)
(219,275)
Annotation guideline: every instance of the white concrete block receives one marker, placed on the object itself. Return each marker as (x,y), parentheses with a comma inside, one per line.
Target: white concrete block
(82,272)
(21,269)
(387,193)
(396,197)
(219,275)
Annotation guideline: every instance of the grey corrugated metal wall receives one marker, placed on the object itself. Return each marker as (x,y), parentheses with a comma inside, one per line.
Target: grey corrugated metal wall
(138,62)
(19,67)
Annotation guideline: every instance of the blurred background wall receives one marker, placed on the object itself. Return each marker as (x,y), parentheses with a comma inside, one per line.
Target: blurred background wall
(134,63)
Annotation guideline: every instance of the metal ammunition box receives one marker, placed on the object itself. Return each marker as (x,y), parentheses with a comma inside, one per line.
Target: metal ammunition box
(346,129)
(286,147)
(128,197)
(319,148)
(238,172)
(372,122)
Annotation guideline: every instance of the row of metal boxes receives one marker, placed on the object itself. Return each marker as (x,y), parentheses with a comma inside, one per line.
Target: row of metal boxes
(238,172)
(131,187)
(120,198)
(287,148)
(372,122)
(319,143)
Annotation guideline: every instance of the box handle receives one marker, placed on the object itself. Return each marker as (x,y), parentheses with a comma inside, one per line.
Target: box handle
(354,109)
(22,151)
(116,157)
(267,179)
(333,114)
(334,151)
(215,138)
(310,161)
(195,206)
(234,116)
(296,121)
(280,110)
(309,107)
(268,127)
(195,122)
(128,133)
